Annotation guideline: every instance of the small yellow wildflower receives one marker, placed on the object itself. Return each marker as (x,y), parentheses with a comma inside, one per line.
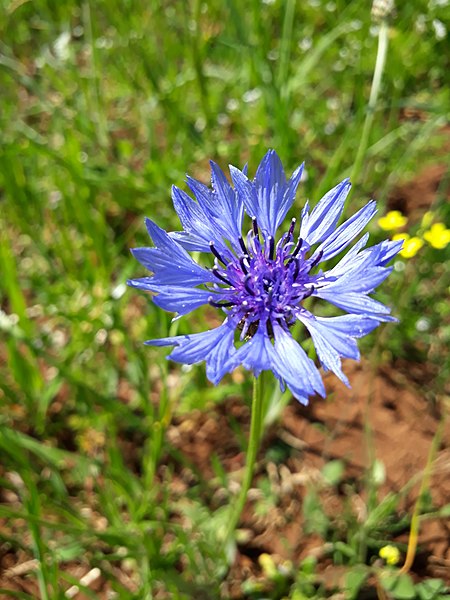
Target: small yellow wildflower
(411,246)
(393,220)
(390,554)
(268,566)
(438,236)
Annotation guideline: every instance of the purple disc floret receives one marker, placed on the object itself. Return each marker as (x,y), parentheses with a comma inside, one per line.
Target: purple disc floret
(260,280)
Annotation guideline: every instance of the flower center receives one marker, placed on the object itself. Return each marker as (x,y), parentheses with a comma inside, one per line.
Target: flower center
(265,282)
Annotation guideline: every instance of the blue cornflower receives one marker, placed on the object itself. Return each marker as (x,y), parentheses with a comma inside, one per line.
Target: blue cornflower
(260,280)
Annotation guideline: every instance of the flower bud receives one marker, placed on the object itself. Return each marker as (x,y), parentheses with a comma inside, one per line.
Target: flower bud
(381,9)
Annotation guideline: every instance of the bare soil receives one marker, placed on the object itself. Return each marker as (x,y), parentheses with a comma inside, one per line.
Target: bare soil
(381,417)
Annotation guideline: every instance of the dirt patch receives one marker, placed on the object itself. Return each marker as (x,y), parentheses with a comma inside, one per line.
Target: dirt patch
(381,417)
(417,196)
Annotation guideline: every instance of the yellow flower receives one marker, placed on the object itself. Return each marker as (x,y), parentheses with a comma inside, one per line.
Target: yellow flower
(393,220)
(268,566)
(438,236)
(390,554)
(411,246)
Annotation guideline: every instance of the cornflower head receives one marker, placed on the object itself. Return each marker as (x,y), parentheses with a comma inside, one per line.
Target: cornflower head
(260,280)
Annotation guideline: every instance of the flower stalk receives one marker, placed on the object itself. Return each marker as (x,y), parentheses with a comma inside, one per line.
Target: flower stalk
(424,486)
(256,429)
(373,98)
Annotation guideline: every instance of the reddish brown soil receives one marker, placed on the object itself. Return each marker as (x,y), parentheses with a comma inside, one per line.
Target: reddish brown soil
(382,417)
(417,196)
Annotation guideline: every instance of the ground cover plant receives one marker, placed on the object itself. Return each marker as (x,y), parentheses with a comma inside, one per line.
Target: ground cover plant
(118,468)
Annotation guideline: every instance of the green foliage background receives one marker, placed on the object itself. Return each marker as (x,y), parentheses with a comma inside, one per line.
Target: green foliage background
(105,104)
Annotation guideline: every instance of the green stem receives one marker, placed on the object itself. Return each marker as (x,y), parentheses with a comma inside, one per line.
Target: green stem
(198,63)
(99,120)
(424,486)
(285,44)
(256,427)
(374,91)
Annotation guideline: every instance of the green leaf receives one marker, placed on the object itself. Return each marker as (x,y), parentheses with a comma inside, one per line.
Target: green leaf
(14,594)
(400,586)
(444,511)
(333,472)
(354,580)
(430,589)
(315,518)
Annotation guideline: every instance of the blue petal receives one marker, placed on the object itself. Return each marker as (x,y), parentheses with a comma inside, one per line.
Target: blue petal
(293,365)
(305,215)
(201,191)
(289,195)
(366,280)
(201,227)
(143,283)
(220,204)
(215,346)
(348,259)
(170,263)
(189,212)
(255,355)
(360,272)
(355,303)
(174,340)
(362,276)
(346,232)
(216,363)
(389,249)
(323,219)
(355,326)
(179,299)
(247,195)
(190,242)
(270,185)
(330,344)
(226,204)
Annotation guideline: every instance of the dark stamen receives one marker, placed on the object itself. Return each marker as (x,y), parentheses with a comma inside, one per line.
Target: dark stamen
(297,247)
(216,253)
(242,260)
(317,260)
(247,286)
(255,227)
(242,245)
(296,268)
(219,304)
(295,251)
(292,227)
(309,292)
(217,273)
(271,246)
